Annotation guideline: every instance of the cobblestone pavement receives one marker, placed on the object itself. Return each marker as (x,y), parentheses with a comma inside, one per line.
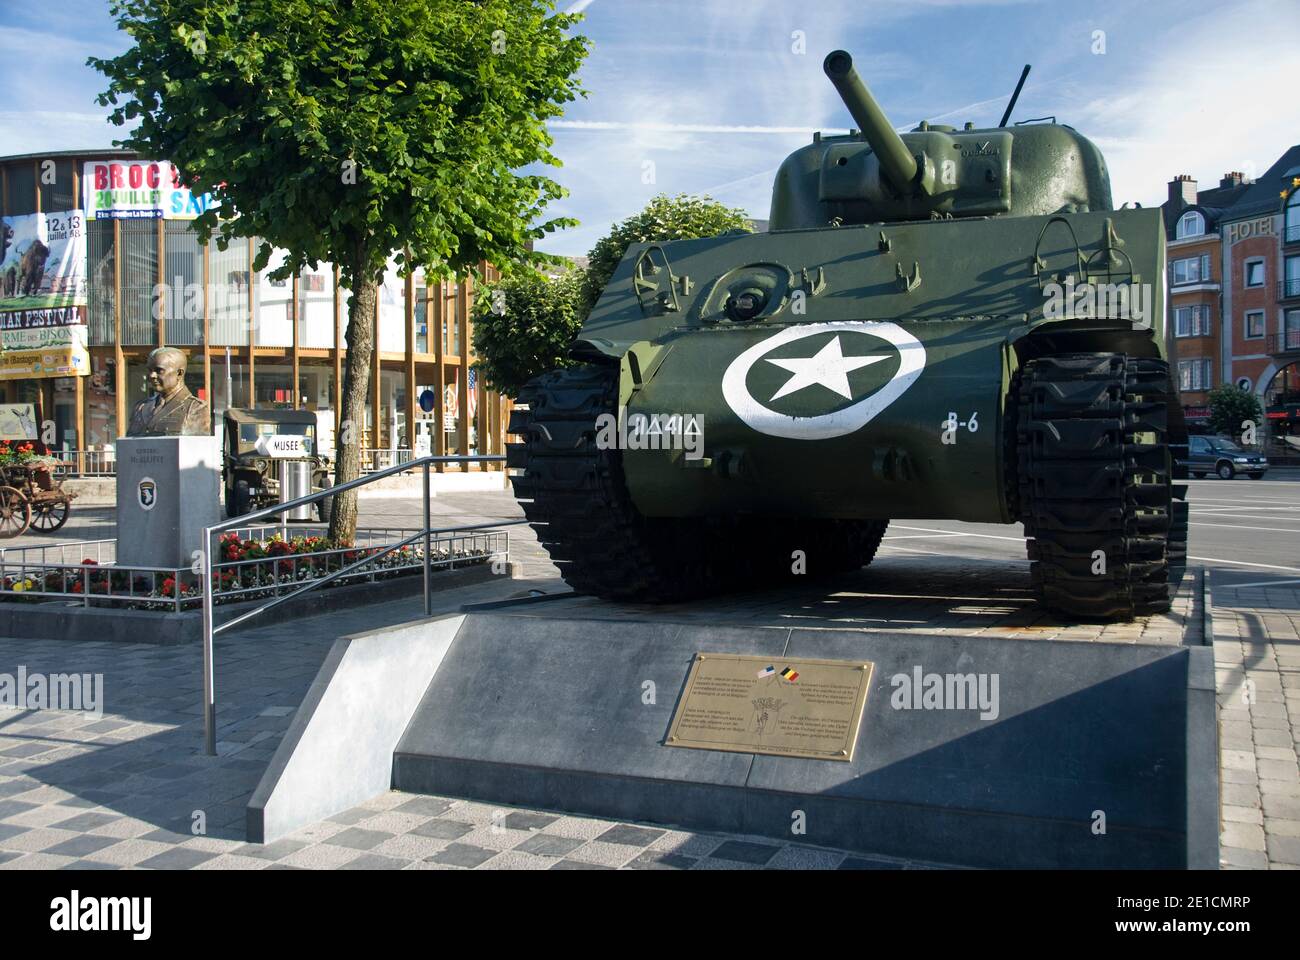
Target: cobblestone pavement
(1257,659)
(122,789)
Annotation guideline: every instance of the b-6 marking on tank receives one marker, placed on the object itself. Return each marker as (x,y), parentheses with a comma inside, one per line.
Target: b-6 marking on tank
(829,367)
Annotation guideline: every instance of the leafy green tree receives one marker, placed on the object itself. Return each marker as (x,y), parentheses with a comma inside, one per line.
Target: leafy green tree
(523,326)
(342,132)
(682,217)
(1230,407)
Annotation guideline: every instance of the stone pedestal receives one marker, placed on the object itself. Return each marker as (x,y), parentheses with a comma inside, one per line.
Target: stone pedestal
(167,492)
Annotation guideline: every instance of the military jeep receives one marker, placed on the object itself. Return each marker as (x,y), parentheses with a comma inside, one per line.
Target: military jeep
(256,443)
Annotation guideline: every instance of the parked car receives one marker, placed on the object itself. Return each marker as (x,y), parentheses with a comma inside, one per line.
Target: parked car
(1224,457)
(256,441)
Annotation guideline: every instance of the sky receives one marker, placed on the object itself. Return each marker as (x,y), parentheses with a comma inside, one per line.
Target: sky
(708,96)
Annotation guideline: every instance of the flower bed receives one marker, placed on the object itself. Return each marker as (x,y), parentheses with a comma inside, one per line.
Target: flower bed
(24,454)
(244,570)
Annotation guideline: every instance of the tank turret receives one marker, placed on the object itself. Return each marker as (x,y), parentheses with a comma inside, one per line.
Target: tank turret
(879,176)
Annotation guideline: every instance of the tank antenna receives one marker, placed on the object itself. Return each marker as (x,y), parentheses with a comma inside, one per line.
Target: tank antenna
(1015,96)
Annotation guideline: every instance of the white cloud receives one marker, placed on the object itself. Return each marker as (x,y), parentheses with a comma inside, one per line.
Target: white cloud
(1212,101)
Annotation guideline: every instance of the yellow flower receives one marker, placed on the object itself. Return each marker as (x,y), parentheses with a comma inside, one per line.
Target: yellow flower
(20,586)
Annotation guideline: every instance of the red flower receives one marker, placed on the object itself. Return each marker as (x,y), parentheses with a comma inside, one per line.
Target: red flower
(76,587)
(169,585)
(88,562)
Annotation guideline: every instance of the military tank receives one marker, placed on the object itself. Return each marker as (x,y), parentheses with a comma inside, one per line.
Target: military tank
(943,324)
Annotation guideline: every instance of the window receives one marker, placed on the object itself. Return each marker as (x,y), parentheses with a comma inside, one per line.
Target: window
(1199,445)
(1292,286)
(1190,224)
(1195,375)
(1192,269)
(1254,273)
(1193,321)
(1292,231)
(1254,324)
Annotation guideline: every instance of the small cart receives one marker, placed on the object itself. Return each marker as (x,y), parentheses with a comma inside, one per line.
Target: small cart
(32,496)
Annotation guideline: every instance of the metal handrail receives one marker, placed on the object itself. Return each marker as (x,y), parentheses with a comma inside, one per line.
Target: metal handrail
(210,630)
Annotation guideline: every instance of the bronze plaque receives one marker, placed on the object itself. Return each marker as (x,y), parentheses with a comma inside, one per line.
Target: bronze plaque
(786,708)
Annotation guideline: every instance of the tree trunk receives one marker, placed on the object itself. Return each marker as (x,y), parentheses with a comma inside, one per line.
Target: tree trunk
(351,424)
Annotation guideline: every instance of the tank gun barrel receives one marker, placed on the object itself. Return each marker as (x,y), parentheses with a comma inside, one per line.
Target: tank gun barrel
(896,161)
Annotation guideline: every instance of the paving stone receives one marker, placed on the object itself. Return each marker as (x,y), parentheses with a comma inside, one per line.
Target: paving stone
(374,861)
(320,856)
(1283,849)
(657,860)
(866,863)
(518,860)
(1248,859)
(1286,828)
(85,822)
(463,855)
(745,852)
(630,835)
(81,846)
(1277,805)
(527,820)
(1235,814)
(37,861)
(550,845)
(442,829)
(424,806)
(579,865)
(276,850)
(358,838)
(795,857)
(177,858)
(609,854)
(693,845)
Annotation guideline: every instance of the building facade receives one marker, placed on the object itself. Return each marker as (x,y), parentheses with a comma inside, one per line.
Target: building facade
(101,264)
(1234,292)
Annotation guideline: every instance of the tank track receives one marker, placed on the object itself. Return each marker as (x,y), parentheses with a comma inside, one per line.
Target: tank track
(1100,437)
(575,496)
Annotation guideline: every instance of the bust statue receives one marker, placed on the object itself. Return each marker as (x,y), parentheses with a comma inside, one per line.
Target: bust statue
(170,410)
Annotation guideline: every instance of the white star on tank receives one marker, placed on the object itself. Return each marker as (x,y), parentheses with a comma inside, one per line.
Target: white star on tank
(829,367)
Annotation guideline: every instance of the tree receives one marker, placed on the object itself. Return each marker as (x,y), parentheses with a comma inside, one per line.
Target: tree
(523,326)
(344,132)
(664,218)
(1231,407)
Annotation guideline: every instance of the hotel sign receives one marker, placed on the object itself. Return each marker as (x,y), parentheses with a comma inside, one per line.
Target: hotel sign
(1259,227)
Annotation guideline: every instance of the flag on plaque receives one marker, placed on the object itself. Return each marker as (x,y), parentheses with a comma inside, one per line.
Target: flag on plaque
(789,674)
(766,672)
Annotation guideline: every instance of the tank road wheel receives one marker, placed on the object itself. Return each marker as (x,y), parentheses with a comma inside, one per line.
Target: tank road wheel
(15,513)
(576,498)
(1099,442)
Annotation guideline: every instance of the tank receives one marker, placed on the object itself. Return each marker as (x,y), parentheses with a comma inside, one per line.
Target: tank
(939,325)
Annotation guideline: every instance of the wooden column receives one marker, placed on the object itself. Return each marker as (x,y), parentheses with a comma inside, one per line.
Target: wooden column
(119,358)
(252,327)
(159,240)
(293,318)
(376,420)
(411,406)
(338,360)
(79,388)
(439,305)
(207,335)
(462,378)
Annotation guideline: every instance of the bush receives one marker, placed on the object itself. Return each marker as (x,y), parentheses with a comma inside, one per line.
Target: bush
(1230,407)
(683,217)
(523,326)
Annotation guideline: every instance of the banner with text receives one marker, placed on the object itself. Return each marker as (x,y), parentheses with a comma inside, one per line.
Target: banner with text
(138,189)
(43,295)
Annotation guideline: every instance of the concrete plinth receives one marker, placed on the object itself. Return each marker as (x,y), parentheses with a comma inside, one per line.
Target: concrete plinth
(167,492)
